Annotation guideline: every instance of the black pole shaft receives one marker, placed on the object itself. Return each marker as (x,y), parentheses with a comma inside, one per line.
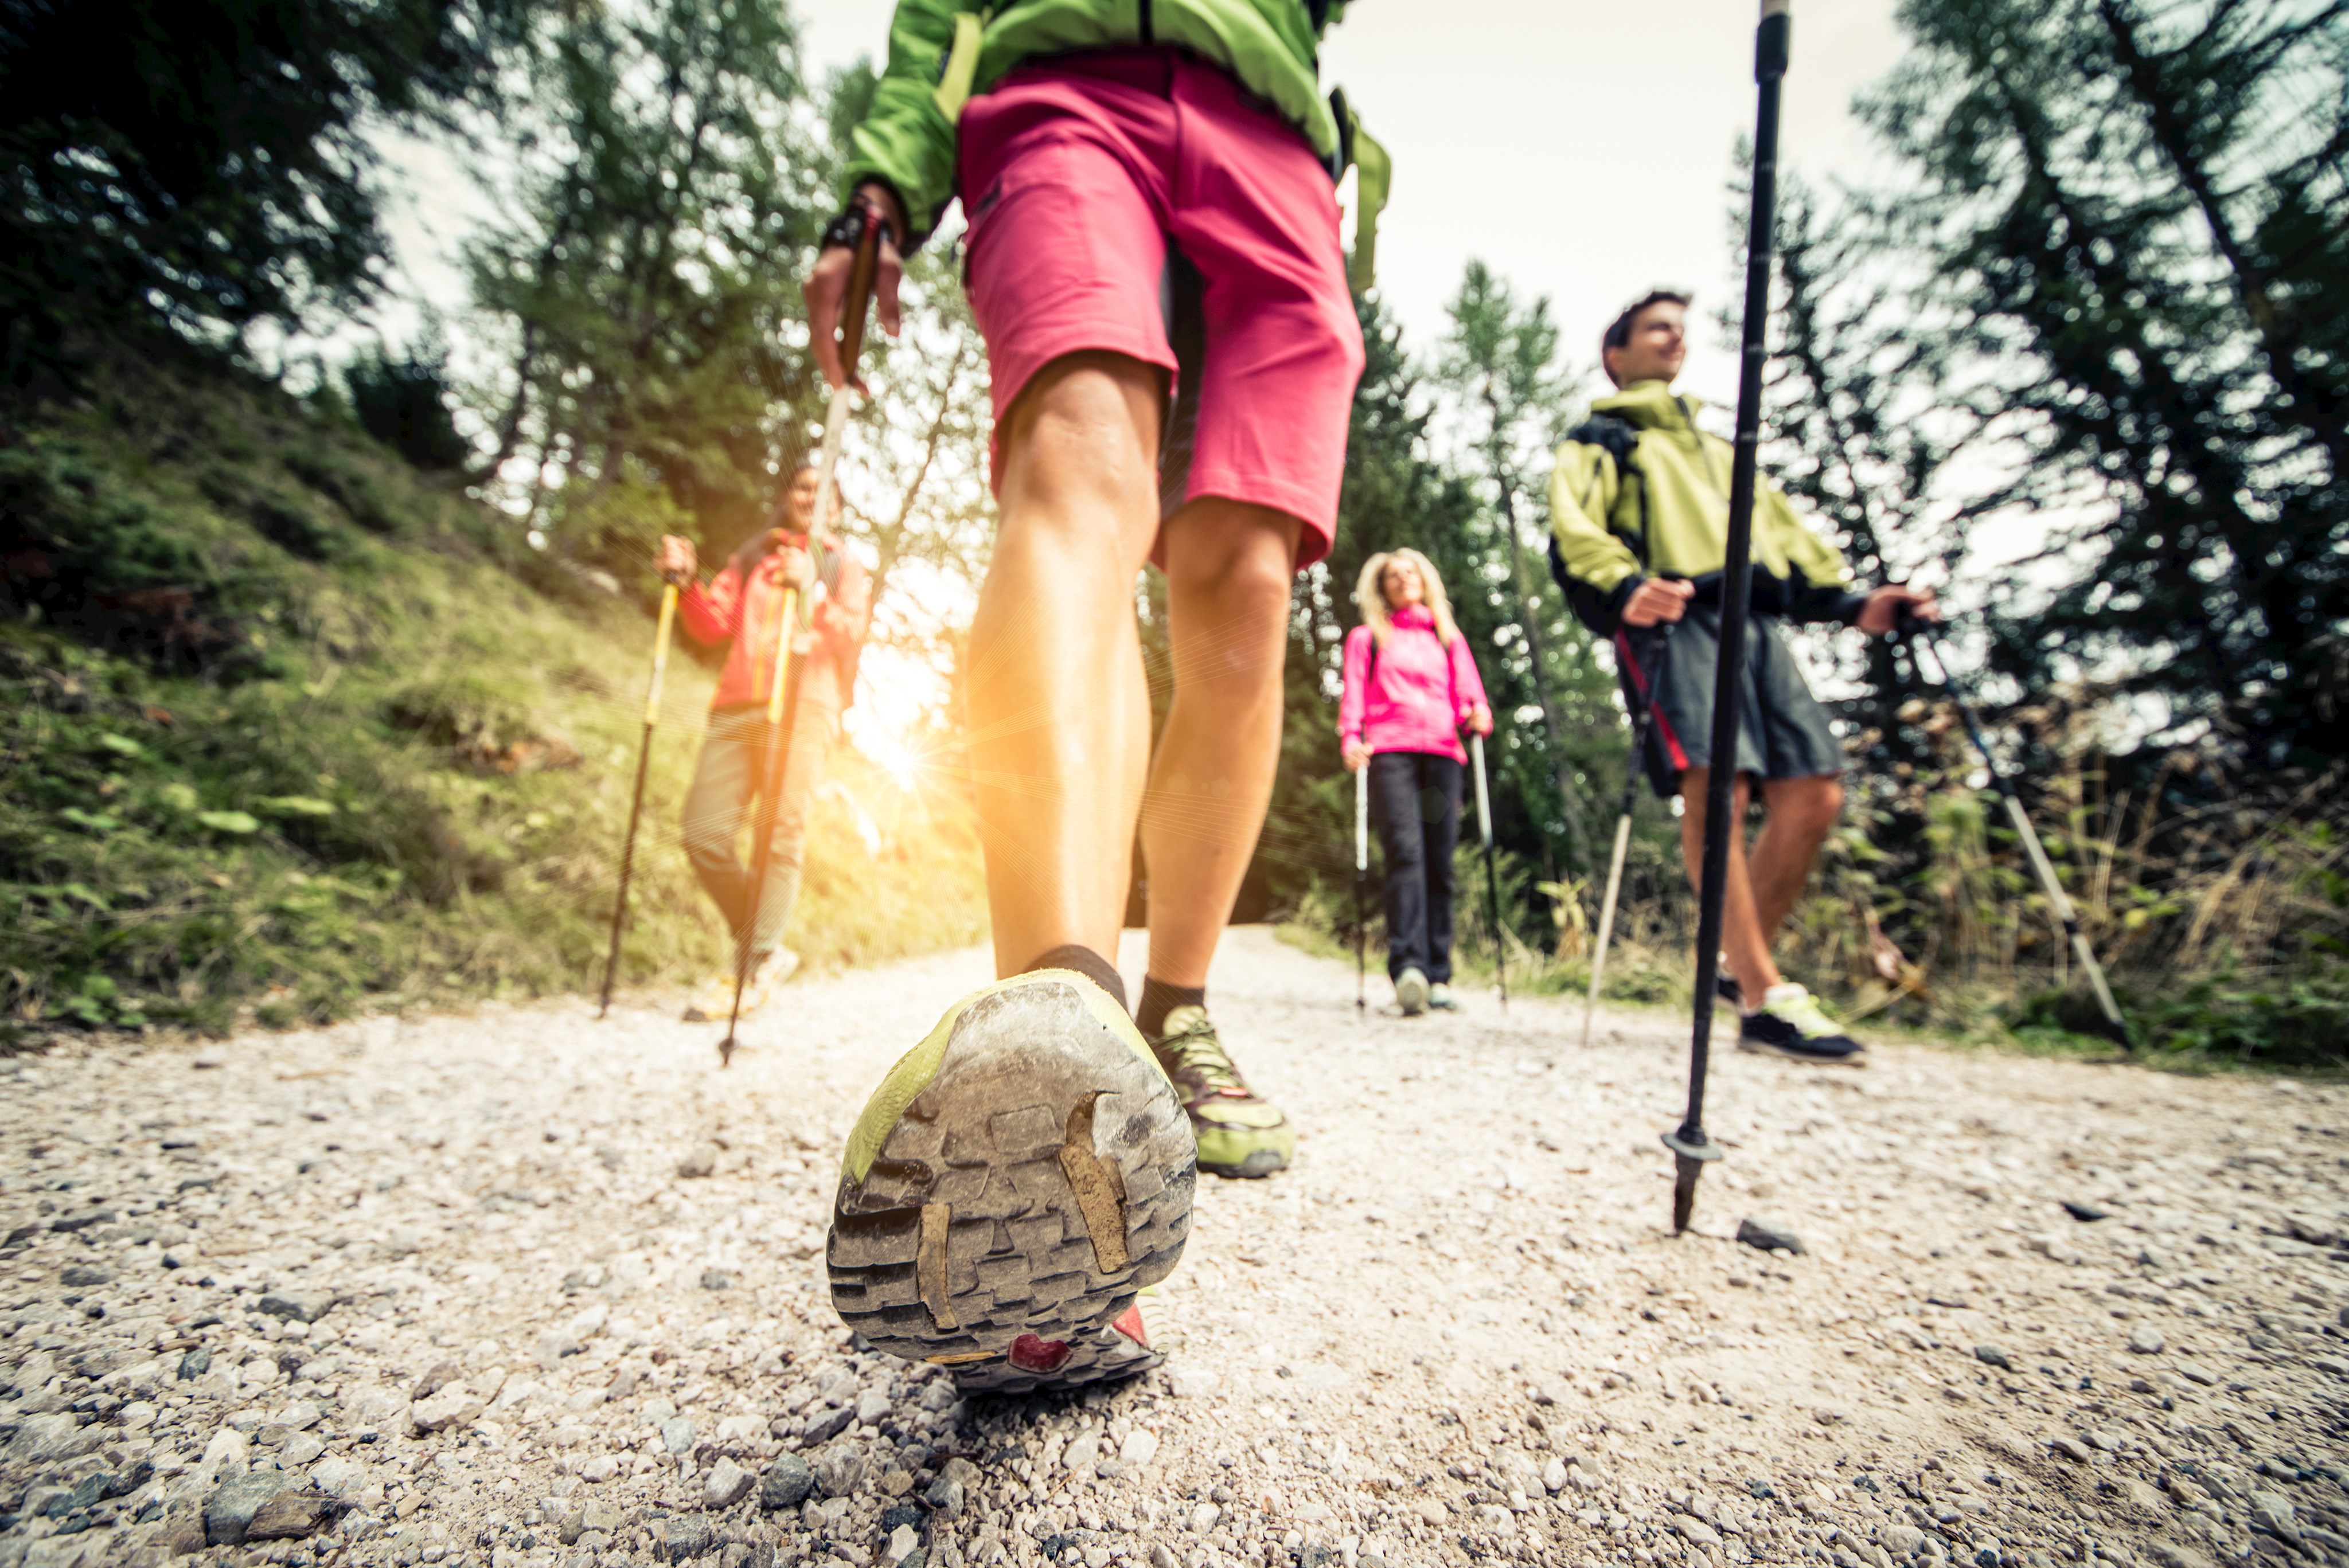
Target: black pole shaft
(1770,49)
(628,865)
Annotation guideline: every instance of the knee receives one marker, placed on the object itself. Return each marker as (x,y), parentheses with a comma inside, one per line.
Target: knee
(1082,437)
(1815,807)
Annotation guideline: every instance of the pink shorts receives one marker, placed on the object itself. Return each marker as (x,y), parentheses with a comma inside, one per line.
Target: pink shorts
(1078,178)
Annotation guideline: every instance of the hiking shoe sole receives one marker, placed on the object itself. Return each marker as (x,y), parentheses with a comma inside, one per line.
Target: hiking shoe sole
(1754,1047)
(1015,1180)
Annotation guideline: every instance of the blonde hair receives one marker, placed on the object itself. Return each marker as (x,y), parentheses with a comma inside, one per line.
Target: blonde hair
(1370,594)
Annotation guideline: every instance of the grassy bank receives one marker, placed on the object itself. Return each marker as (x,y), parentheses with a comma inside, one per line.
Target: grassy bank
(290,730)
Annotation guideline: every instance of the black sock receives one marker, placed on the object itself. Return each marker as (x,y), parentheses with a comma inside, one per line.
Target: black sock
(1085,961)
(1159,998)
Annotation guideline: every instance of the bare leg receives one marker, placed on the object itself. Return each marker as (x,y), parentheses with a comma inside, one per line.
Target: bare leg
(1059,713)
(1797,816)
(1743,936)
(1229,570)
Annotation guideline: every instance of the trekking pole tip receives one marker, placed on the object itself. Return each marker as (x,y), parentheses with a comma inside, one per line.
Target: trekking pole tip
(1692,1151)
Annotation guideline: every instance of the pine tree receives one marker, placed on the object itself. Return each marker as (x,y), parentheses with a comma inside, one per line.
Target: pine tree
(2133,217)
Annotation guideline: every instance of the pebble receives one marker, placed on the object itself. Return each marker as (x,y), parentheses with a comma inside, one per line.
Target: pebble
(786,1483)
(699,1161)
(1141,1446)
(678,1434)
(2072,1449)
(299,1305)
(1769,1236)
(727,1484)
(2146,1340)
(1991,1355)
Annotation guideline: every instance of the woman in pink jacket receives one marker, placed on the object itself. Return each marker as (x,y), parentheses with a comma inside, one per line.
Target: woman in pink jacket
(1411,685)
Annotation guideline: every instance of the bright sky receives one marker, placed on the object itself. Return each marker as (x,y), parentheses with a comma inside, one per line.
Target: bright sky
(1581,151)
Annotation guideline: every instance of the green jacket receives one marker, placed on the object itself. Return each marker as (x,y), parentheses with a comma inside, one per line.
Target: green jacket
(1639,491)
(942,52)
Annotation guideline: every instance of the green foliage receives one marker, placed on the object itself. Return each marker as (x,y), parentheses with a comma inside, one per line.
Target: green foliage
(393,774)
(205,160)
(2127,219)
(404,402)
(669,200)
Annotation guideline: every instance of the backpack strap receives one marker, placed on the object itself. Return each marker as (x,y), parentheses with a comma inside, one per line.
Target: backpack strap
(1620,439)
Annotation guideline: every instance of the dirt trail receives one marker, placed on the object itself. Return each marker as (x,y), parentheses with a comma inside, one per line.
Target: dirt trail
(519,1287)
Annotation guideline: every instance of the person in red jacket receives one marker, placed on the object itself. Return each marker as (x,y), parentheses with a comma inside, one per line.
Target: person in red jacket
(1411,687)
(742,606)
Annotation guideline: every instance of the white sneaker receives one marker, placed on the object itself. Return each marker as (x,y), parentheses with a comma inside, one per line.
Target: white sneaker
(1439,997)
(1411,992)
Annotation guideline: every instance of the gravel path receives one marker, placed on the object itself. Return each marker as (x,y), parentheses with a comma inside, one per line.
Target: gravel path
(519,1287)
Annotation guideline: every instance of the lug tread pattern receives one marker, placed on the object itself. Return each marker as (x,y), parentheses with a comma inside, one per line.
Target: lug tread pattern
(985,1139)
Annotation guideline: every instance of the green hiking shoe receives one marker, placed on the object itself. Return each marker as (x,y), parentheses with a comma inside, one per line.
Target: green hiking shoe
(1238,1134)
(1016,1178)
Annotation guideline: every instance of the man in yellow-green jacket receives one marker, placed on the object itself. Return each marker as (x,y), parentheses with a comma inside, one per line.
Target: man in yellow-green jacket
(1151,252)
(1640,534)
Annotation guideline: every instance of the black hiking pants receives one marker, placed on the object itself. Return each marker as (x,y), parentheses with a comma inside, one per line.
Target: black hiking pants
(1415,806)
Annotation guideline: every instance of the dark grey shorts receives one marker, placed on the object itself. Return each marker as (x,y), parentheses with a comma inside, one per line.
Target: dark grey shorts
(1786,733)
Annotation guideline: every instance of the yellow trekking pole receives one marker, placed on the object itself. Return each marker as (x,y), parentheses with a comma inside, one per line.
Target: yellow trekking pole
(863,270)
(637,803)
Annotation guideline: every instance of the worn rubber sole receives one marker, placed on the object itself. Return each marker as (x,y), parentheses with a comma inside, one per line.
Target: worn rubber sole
(1014,1205)
(1763,1048)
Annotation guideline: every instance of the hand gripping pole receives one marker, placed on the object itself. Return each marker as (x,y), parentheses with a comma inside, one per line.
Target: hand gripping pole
(1691,1148)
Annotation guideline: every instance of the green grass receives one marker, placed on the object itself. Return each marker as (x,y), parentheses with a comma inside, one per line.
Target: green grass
(2208,1023)
(288,731)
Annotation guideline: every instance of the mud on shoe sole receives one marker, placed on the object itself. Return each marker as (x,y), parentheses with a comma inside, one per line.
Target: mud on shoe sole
(1015,1203)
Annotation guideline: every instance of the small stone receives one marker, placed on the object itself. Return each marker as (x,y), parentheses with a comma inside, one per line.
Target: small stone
(293,1513)
(727,1484)
(717,1279)
(1203,1517)
(299,1305)
(786,1483)
(195,1363)
(45,1438)
(2172,1555)
(939,1394)
(2145,1341)
(1768,1237)
(1993,1356)
(680,1540)
(1696,1532)
(677,1434)
(1902,1539)
(454,1405)
(1194,1382)
(553,1345)
(2083,1213)
(229,1511)
(904,1541)
(2072,1449)
(947,1495)
(699,1161)
(2274,1510)
(1080,1455)
(602,1467)
(1141,1446)
(84,1274)
(1553,1475)
(872,1407)
(441,1375)
(825,1425)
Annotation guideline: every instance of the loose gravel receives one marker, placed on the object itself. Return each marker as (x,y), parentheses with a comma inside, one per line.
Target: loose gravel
(519,1287)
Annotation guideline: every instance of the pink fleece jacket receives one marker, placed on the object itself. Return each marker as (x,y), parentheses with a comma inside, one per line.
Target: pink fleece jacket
(1420,694)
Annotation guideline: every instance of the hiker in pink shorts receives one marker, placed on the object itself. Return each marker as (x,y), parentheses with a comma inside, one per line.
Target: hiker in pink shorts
(1152,256)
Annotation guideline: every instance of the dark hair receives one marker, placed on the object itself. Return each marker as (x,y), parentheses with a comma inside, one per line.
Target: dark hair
(1618,331)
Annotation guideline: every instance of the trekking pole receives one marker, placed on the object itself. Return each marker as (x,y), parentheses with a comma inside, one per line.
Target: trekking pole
(1492,877)
(1691,1148)
(863,267)
(1361,877)
(636,802)
(1642,722)
(1922,641)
